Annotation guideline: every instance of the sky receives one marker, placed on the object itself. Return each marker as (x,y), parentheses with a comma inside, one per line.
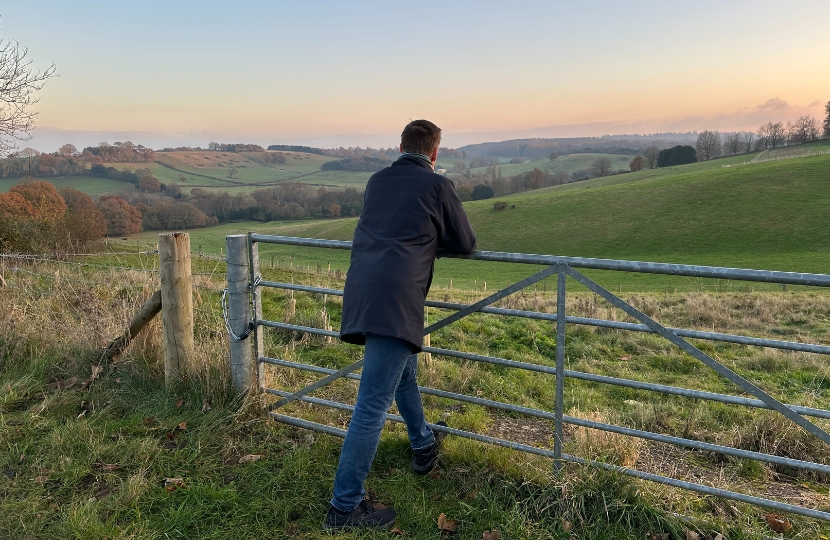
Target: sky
(326,73)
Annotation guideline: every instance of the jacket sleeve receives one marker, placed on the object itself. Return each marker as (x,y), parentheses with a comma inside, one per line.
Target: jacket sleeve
(457,235)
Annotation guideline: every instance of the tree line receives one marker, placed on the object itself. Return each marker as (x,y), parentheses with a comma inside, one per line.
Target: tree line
(36,217)
(805,129)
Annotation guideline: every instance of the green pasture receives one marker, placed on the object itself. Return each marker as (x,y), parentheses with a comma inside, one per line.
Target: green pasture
(769,215)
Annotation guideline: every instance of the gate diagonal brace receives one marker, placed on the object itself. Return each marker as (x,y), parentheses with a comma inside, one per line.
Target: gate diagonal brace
(472,308)
(710,362)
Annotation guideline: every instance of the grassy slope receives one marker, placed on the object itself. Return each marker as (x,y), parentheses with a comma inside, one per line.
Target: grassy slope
(769,215)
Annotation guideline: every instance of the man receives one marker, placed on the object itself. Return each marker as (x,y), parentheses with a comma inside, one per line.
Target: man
(409,211)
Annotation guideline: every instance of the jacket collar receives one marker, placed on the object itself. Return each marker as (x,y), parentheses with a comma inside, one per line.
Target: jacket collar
(412,159)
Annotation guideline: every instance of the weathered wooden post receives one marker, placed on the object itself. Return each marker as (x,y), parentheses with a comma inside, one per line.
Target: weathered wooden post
(239,311)
(176,305)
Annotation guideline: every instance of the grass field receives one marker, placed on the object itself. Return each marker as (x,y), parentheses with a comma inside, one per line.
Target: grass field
(768,215)
(128,458)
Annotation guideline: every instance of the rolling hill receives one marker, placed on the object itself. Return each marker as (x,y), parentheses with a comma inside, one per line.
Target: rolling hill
(769,215)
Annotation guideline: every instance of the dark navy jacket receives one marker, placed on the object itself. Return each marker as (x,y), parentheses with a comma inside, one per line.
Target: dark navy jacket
(408,213)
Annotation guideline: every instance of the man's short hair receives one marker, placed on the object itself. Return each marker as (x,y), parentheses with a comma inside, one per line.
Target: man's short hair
(421,136)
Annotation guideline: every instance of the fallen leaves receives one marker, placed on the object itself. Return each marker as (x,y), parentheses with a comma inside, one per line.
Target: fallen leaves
(690,534)
(446,525)
(179,403)
(250,458)
(626,357)
(172,484)
(491,535)
(778,523)
(96,372)
(398,532)
(205,405)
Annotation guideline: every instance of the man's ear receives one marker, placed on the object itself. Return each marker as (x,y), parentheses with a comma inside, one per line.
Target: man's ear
(434,155)
(400,148)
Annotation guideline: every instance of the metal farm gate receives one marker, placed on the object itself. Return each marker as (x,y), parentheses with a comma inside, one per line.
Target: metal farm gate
(243,316)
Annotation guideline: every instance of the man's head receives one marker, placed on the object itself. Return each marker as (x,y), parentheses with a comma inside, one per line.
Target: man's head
(422,137)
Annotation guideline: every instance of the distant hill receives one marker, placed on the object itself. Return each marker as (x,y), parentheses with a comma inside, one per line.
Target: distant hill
(607,144)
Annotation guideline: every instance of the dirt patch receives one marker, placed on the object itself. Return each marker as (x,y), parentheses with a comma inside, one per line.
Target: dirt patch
(529,431)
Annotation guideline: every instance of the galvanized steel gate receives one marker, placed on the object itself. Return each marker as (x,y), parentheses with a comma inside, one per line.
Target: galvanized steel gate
(244,316)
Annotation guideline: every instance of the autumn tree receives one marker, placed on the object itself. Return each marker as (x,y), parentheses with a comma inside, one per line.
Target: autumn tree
(601,166)
(30,217)
(83,222)
(122,218)
(637,164)
(15,213)
(553,155)
(68,150)
(465,193)
(708,145)
(19,82)
(650,155)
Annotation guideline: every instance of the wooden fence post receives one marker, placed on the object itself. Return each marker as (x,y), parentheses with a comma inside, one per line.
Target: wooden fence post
(176,305)
(239,311)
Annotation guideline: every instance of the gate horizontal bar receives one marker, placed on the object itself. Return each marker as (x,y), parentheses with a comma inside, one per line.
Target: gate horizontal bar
(603,379)
(631,432)
(602,323)
(716,272)
(776,505)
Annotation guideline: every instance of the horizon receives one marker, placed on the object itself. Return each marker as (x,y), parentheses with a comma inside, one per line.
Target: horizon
(329,75)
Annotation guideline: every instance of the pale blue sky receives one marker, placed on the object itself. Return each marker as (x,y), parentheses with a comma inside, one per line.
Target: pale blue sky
(264,71)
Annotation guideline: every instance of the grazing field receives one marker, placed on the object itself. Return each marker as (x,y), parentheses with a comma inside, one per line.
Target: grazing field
(769,215)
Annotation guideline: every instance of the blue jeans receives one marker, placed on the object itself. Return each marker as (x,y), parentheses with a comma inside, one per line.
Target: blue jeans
(389,370)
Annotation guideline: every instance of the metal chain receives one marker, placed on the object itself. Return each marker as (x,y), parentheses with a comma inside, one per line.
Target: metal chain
(225,309)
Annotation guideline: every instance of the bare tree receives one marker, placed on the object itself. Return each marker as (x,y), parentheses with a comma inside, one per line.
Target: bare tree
(18,83)
(650,154)
(803,130)
(708,145)
(772,134)
(732,143)
(601,166)
(749,139)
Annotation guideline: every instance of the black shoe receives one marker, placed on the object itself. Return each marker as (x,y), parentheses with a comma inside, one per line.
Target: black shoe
(364,515)
(425,459)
